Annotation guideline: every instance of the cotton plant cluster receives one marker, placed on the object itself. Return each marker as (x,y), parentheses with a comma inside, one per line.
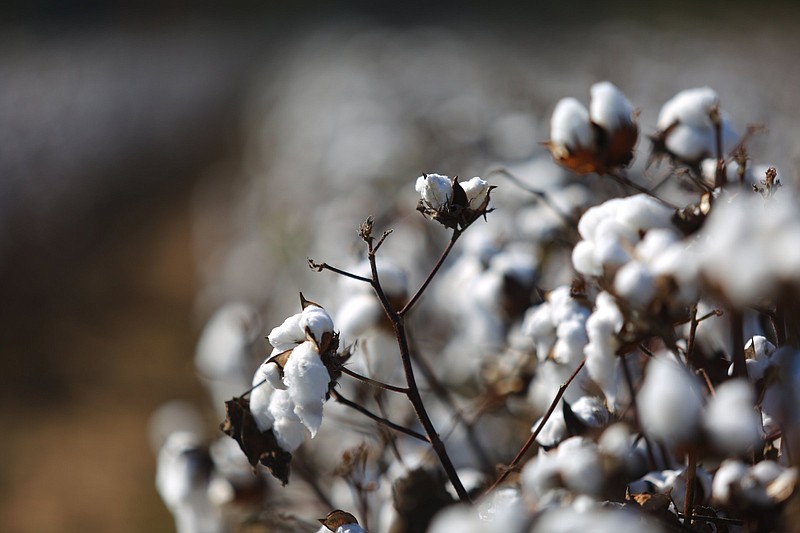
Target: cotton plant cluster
(561,332)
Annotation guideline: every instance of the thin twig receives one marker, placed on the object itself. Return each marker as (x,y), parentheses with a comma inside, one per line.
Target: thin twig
(373,382)
(453,238)
(319,267)
(626,182)
(251,389)
(541,195)
(691,473)
(525,447)
(366,412)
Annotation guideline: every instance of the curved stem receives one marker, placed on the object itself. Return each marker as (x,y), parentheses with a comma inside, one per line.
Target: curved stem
(373,382)
(453,238)
(625,181)
(525,447)
(366,412)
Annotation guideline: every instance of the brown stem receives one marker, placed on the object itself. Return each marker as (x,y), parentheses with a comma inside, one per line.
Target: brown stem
(373,382)
(626,182)
(691,472)
(444,395)
(453,238)
(525,447)
(319,267)
(541,195)
(412,393)
(366,412)
(737,339)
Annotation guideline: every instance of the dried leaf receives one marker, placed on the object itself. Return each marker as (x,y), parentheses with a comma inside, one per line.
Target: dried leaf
(259,447)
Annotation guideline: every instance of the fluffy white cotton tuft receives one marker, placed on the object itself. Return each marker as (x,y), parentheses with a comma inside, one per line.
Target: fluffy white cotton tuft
(288,429)
(569,126)
(670,403)
(287,335)
(476,190)
(307,382)
(316,321)
(731,420)
(608,106)
(436,190)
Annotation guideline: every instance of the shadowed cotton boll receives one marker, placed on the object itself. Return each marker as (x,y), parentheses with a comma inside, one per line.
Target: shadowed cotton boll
(183,470)
(730,418)
(670,403)
(596,520)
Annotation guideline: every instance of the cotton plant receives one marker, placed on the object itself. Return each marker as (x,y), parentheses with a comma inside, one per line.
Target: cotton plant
(289,390)
(642,348)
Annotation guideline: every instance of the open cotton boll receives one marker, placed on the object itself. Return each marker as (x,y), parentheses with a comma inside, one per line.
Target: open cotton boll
(316,321)
(596,520)
(726,478)
(177,468)
(288,429)
(602,362)
(261,396)
(307,381)
(580,466)
(670,404)
(476,190)
(570,127)
(273,375)
(436,190)
(732,423)
(693,135)
(358,314)
(287,335)
(608,106)
(635,284)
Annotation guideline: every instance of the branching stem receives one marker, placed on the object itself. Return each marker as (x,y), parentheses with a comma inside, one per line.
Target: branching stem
(373,382)
(453,238)
(525,447)
(381,420)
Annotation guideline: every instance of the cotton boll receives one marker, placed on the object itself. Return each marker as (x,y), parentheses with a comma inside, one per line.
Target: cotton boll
(261,396)
(670,404)
(602,362)
(569,126)
(307,381)
(689,107)
(287,335)
(178,469)
(357,315)
(436,190)
(272,374)
(476,190)
(726,478)
(584,261)
(608,106)
(540,475)
(316,321)
(733,424)
(567,520)
(288,429)
(580,466)
(635,284)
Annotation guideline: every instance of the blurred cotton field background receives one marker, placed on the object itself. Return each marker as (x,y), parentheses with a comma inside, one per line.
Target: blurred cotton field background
(155,169)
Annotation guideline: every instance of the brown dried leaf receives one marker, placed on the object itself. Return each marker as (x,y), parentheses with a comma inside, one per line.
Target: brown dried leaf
(257,446)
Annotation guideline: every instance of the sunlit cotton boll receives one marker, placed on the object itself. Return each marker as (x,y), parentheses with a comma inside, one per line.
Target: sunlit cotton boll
(732,422)
(570,128)
(288,429)
(261,396)
(670,404)
(476,190)
(688,129)
(307,379)
(608,107)
(436,190)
